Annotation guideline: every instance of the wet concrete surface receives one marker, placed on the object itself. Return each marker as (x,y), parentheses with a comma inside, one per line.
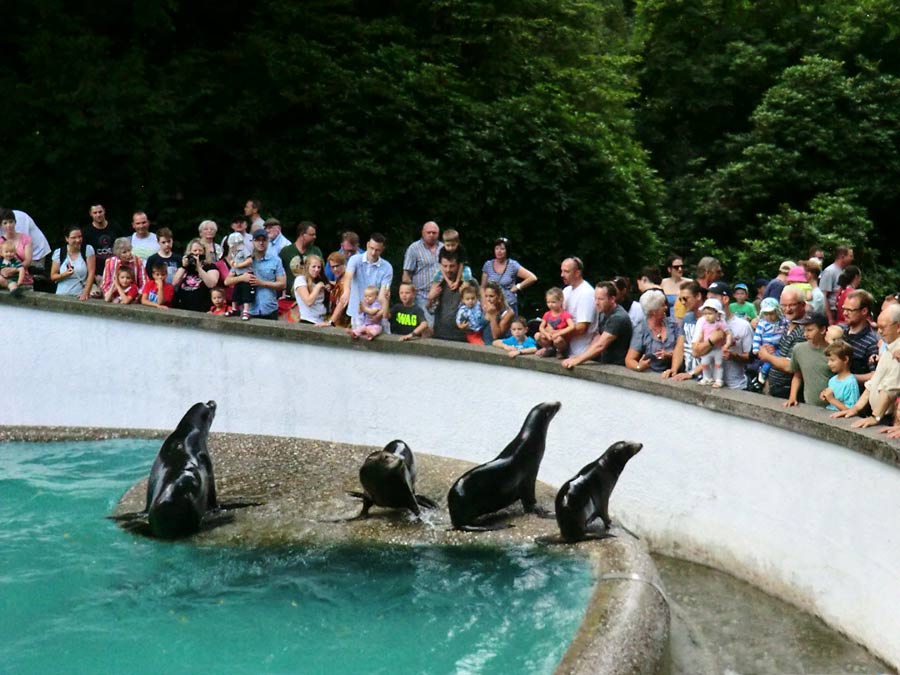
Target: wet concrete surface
(724,626)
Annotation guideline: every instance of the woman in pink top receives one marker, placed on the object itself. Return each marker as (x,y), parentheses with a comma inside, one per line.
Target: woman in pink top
(22,242)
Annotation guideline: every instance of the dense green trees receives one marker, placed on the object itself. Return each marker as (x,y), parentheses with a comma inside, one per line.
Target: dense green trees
(614,129)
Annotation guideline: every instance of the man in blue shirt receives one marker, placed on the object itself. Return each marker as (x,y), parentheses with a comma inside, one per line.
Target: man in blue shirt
(266,276)
(367,269)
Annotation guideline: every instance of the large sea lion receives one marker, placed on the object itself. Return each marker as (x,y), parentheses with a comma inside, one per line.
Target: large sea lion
(181,488)
(388,478)
(585,497)
(508,478)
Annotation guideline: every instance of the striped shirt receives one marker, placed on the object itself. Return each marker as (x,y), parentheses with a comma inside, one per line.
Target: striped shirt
(865,346)
(422,265)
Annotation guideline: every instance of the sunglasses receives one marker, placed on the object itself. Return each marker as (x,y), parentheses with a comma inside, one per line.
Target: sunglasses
(677,267)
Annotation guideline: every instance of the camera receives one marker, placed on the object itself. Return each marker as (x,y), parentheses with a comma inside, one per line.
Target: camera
(191,260)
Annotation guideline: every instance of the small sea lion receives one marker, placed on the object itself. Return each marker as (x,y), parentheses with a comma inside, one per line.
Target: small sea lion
(585,497)
(510,477)
(388,478)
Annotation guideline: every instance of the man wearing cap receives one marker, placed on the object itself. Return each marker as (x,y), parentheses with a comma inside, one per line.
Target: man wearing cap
(773,290)
(741,307)
(421,263)
(267,278)
(809,364)
(882,390)
(793,306)
(737,355)
(277,240)
(828,282)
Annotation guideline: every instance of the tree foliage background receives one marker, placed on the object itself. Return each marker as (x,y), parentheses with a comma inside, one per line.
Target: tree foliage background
(616,130)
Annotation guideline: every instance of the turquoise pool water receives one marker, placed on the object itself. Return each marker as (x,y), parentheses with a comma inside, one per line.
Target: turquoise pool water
(79,595)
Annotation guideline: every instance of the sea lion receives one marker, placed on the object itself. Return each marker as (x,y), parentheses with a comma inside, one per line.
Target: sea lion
(502,481)
(586,496)
(181,488)
(388,478)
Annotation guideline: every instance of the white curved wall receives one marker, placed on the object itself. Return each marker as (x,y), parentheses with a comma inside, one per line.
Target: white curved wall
(807,520)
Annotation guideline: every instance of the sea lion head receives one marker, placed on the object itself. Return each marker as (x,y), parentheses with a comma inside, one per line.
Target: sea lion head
(199,417)
(618,454)
(544,412)
(384,477)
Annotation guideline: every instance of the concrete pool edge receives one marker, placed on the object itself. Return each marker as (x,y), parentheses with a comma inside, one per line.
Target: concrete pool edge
(626,621)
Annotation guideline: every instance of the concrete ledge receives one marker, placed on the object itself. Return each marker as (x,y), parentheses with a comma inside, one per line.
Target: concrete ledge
(789,500)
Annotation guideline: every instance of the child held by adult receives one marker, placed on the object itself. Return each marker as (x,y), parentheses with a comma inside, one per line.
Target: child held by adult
(469,317)
(556,322)
(713,320)
(373,312)
(240,263)
(769,329)
(518,343)
(9,261)
(464,272)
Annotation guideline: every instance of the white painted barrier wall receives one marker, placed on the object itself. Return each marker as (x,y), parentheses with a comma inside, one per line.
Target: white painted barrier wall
(809,521)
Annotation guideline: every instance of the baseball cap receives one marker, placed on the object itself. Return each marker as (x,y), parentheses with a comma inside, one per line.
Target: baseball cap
(814,317)
(743,286)
(768,305)
(786,266)
(260,234)
(719,288)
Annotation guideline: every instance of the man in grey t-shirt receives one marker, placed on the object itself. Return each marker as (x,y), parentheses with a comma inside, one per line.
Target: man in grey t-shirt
(614,329)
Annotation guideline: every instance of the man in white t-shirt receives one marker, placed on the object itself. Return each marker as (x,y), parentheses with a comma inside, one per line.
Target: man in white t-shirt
(578,300)
(143,241)
(738,355)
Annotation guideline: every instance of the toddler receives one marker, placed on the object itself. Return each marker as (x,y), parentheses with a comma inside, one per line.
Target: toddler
(518,342)
(369,306)
(158,292)
(123,288)
(768,331)
(244,294)
(469,317)
(843,389)
(713,319)
(556,322)
(219,306)
(11,262)
(451,243)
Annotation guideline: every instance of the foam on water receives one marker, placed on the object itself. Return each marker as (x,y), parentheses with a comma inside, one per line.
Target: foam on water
(80,595)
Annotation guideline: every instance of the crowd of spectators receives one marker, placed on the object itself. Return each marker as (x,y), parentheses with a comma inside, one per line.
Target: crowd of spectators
(808,336)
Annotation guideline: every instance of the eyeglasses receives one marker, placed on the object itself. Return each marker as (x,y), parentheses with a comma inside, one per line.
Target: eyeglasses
(851,309)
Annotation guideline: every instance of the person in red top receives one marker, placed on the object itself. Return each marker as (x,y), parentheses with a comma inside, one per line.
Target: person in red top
(220,305)
(123,289)
(158,292)
(556,322)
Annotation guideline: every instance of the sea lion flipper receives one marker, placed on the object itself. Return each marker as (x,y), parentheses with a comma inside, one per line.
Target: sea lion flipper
(356,495)
(128,517)
(539,511)
(427,502)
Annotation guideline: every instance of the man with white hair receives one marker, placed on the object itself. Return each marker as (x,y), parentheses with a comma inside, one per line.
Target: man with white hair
(882,390)
(793,307)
